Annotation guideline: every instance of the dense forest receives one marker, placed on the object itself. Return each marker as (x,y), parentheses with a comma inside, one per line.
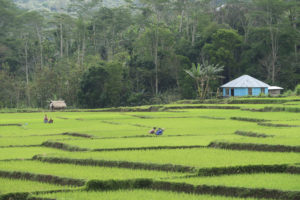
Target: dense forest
(94,55)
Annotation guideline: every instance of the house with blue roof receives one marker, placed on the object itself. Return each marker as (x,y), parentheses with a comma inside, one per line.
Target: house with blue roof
(245,86)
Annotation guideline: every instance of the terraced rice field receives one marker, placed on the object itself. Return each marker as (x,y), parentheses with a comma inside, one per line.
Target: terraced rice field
(289,182)
(15,186)
(136,194)
(198,157)
(208,151)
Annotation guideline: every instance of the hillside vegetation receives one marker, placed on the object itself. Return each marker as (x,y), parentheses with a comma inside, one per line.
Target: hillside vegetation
(96,55)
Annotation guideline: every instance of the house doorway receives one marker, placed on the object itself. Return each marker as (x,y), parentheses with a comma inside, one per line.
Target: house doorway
(232,92)
(250,91)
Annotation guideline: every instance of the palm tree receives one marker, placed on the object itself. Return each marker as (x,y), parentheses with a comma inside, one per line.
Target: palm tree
(203,74)
(198,73)
(212,72)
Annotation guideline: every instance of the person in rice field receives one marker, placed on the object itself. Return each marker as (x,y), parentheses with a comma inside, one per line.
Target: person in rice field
(160,131)
(152,131)
(45,119)
(50,121)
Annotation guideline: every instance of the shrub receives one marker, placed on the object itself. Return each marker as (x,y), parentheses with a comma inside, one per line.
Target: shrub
(62,146)
(254,147)
(102,185)
(248,119)
(14,196)
(248,169)
(252,134)
(119,184)
(262,95)
(142,183)
(288,93)
(297,90)
(138,98)
(188,188)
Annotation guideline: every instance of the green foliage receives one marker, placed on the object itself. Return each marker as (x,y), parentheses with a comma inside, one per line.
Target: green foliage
(45,54)
(102,85)
(223,50)
(297,90)
(250,169)
(45,87)
(7,90)
(107,185)
(289,93)
(255,147)
(203,74)
(114,85)
(15,196)
(92,91)
(63,146)
(252,134)
(248,119)
(118,185)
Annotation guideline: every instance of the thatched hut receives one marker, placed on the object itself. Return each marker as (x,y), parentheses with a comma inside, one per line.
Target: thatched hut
(57,105)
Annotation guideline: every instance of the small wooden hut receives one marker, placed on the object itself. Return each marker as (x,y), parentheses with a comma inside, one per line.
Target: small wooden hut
(57,105)
(275,91)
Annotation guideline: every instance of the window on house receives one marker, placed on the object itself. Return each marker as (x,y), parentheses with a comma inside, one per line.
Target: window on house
(250,91)
(227,91)
(262,91)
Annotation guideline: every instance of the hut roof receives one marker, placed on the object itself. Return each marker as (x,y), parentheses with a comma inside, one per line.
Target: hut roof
(275,88)
(58,104)
(245,81)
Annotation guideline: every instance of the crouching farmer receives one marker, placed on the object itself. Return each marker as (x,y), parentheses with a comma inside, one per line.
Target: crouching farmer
(45,119)
(152,131)
(159,131)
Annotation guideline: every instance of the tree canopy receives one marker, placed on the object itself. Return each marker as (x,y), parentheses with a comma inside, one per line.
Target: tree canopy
(95,54)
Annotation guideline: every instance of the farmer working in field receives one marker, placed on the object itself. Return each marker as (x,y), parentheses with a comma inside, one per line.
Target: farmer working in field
(45,119)
(152,131)
(159,131)
(50,121)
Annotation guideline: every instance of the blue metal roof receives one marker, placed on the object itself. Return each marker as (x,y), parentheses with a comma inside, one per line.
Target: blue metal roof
(245,81)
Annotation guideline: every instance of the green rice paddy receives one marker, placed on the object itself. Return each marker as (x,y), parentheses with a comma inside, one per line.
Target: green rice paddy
(264,180)
(10,153)
(200,158)
(122,139)
(132,195)
(83,172)
(15,186)
(145,142)
(29,140)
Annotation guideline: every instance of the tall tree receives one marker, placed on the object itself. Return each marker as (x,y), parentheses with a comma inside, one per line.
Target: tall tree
(223,50)
(268,15)
(156,7)
(84,11)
